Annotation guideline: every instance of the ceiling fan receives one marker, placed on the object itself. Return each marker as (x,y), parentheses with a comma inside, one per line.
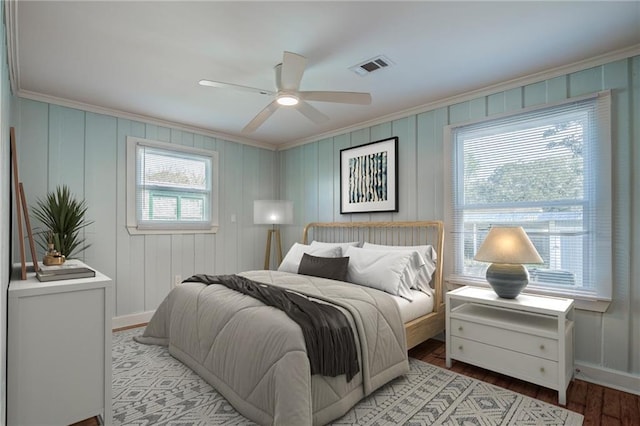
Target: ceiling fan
(288,76)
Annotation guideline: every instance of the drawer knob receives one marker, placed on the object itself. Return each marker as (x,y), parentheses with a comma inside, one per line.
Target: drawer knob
(460,347)
(460,328)
(542,347)
(542,369)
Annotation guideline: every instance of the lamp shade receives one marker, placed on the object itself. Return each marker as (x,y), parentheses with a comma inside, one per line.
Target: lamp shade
(508,245)
(272,212)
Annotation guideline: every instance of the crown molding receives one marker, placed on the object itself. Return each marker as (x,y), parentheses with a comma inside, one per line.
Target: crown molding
(484,91)
(140,117)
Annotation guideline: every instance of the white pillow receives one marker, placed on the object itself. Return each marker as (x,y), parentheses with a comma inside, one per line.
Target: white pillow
(427,251)
(429,255)
(389,271)
(343,246)
(291,261)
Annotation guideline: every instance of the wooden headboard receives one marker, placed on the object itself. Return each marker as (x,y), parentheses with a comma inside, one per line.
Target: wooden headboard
(396,234)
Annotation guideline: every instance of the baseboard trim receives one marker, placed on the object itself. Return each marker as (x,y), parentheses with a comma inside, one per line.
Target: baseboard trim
(130,320)
(625,382)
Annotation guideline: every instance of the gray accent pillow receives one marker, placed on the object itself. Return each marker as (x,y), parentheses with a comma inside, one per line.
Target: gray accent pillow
(334,268)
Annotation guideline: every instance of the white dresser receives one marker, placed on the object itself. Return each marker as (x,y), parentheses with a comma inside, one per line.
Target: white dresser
(529,338)
(59,351)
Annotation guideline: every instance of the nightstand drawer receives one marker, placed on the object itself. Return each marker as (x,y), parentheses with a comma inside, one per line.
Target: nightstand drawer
(526,367)
(517,341)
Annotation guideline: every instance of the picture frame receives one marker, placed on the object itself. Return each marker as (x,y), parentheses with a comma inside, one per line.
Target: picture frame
(369,177)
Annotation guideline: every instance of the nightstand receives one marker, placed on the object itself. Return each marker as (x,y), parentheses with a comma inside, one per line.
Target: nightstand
(529,338)
(59,350)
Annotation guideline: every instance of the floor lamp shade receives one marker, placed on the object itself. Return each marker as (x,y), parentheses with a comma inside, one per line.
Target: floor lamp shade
(272,212)
(507,248)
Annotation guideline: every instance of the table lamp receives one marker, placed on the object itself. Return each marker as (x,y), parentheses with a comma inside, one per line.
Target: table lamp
(507,248)
(272,212)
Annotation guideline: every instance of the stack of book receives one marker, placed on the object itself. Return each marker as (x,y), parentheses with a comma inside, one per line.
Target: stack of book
(69,270)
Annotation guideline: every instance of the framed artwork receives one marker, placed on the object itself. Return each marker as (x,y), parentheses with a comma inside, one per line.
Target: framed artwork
(369,177)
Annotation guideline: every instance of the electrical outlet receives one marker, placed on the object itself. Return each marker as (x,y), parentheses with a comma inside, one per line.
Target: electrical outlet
(177,280)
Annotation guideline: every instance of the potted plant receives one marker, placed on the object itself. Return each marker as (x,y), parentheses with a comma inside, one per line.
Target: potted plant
(63,218)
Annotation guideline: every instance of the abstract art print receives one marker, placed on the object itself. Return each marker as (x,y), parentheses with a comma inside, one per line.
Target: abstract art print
(369,177)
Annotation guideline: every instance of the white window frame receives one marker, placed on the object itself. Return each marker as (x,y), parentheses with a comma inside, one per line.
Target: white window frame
(598,299)
(136,228)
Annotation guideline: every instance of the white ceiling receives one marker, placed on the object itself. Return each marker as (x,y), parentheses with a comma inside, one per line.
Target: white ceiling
(146,58)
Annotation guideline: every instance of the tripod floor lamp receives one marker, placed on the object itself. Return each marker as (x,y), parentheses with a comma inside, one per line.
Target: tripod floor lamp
(272,212)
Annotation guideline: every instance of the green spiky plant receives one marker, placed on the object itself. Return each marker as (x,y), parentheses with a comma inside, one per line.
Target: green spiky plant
(63,218)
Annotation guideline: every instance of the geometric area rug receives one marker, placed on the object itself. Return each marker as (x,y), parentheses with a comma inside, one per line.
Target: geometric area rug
(150,387)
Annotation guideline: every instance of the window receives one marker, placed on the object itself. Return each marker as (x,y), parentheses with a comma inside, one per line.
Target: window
(171,188)
(549,171)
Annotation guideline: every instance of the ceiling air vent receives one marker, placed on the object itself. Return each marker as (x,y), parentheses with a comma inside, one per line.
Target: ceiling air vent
(371,65)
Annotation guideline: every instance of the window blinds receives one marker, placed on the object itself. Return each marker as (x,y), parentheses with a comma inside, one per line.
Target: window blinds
(549,171)
(173,188)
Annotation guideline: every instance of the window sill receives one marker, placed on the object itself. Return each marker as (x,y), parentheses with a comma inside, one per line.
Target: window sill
(580,302)
(137,231)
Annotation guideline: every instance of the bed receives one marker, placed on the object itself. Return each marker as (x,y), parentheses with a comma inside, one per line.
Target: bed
(255,355)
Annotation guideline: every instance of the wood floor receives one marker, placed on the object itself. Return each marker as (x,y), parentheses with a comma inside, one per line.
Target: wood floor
(599,405)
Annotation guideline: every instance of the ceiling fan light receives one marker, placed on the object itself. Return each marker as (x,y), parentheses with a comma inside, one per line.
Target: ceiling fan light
(287,100)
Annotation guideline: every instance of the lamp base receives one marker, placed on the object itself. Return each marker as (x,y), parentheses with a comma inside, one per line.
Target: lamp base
(507,280)
(267,253)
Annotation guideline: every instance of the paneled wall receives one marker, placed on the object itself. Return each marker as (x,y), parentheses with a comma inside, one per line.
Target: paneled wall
(86,151)
(310,177)
(310,174)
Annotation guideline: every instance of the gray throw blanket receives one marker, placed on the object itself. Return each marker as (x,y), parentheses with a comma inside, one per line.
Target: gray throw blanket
(329,340)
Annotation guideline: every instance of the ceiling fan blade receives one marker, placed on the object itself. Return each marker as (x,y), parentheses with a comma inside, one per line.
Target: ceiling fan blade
(358,98)
(311,113)
(291,71)
(220,85)
(260,118)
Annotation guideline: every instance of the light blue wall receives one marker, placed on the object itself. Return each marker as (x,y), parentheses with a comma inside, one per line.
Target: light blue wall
(86,151)
(310,177)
